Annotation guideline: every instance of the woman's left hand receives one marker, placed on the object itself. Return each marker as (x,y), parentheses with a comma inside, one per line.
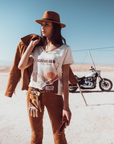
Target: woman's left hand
(67,113)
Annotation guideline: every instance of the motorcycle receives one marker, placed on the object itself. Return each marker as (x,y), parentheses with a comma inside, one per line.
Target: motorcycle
(90,81)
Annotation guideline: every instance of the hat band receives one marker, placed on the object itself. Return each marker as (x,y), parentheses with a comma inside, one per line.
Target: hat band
(50,20)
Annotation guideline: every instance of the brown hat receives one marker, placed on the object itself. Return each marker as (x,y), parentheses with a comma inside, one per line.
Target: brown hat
(50,16)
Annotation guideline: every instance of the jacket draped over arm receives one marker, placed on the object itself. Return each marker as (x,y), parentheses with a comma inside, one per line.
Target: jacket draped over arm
(17,74)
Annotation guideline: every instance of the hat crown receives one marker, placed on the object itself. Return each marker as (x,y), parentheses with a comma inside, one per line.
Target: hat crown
(50,15)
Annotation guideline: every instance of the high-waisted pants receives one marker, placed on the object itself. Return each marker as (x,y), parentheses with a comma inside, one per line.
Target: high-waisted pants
(54,105)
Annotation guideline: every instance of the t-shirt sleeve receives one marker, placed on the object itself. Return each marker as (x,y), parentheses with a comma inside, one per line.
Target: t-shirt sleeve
(36,51)
(68,59)
(32,54)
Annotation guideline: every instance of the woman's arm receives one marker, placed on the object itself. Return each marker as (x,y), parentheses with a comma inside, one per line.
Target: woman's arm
(26,61)
(66,110)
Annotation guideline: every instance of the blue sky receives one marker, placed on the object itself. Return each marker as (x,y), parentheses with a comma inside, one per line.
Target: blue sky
(89,25)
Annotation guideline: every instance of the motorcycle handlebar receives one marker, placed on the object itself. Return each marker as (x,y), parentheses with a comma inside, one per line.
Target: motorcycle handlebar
(92,69)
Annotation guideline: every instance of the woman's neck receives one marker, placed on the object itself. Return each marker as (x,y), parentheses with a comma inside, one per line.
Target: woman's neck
(50,46)
(49,43)
(48,40)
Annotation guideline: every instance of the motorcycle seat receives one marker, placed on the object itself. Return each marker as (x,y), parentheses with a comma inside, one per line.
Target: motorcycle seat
(79,78)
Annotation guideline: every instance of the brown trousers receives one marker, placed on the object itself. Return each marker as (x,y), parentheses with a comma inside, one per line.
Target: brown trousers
(54,105)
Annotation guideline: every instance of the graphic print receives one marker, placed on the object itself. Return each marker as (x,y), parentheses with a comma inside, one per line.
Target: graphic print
(50,75)
(50,83)
(47,77)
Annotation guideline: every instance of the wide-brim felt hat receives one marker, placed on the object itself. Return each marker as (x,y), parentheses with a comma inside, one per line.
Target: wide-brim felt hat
(50,16)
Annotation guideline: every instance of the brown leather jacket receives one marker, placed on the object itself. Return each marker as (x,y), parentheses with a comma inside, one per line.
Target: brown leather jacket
(16,74)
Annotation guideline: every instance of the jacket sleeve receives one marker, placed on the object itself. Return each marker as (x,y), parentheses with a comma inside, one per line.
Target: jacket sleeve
(14,76)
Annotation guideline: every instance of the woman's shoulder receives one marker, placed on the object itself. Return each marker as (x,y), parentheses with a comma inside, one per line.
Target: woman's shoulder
(64,47)
(38,48)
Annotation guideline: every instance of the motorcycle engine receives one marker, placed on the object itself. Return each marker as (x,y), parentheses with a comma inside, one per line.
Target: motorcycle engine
(88,82)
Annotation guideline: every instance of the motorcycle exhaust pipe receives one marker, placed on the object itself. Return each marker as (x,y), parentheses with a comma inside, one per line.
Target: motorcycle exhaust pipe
(73,86)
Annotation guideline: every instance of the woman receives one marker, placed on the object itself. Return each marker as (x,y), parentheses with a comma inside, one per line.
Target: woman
(49,78)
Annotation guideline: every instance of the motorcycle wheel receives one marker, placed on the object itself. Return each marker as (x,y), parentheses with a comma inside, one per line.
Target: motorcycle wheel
(105,84)
(73,89)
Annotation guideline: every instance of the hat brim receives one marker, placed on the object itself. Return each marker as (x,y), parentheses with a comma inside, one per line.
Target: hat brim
(40,22)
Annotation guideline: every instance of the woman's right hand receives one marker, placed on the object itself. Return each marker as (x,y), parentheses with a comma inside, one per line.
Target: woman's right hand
(26,61)
(33,43)
(67,113)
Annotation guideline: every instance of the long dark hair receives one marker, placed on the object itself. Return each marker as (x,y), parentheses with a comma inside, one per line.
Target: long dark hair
(56,37)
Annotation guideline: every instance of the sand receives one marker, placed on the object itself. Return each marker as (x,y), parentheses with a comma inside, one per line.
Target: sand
(92,124)
(86,67)
(75,68)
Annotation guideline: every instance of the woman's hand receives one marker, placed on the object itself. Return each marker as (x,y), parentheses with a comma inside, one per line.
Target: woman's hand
(33,43)
(26,61)
(67,113)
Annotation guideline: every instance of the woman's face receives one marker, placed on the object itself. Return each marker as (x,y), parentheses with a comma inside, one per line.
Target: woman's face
(46,29)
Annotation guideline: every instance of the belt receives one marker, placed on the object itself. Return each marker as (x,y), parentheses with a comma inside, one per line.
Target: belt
(41,91)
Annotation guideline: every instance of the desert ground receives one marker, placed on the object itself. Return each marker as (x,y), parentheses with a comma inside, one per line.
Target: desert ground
(92,124)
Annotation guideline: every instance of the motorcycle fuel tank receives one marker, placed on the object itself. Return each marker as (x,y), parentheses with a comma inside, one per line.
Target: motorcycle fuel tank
(90,74)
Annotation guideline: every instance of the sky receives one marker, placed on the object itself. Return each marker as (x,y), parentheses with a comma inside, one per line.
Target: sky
(89,26)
